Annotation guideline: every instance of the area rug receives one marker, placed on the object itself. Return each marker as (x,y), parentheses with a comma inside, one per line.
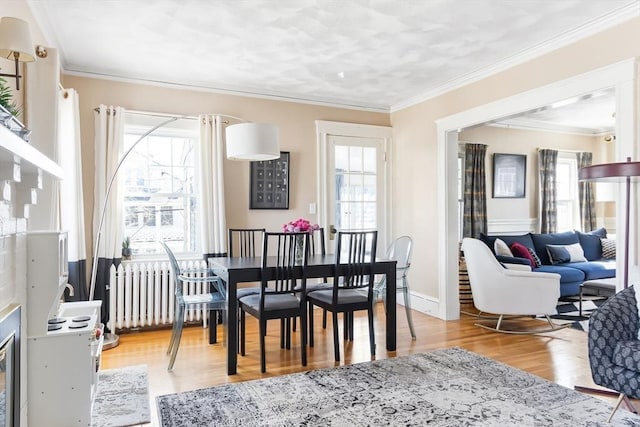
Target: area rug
(451,387)
(122,398)
(569,312)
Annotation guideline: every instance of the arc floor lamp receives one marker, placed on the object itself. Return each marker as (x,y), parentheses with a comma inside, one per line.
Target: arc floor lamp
(622,171)
(247,141)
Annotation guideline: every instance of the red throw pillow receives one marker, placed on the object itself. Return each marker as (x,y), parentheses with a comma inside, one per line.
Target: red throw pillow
(520,251)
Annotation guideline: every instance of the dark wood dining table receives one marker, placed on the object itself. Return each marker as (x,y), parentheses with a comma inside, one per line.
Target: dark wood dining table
(248,269)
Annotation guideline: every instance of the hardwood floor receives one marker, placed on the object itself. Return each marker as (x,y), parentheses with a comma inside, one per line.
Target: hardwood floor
(560,356)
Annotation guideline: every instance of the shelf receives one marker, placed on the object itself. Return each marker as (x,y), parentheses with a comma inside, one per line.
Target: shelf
(13,150)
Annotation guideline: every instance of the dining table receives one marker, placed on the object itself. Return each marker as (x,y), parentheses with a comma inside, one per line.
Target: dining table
(235,270)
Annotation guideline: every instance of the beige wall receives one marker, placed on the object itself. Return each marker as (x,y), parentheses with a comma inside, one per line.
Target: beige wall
(297,135)
(527,142)
(415,134)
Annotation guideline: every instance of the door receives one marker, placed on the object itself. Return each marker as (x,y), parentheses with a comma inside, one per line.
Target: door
(353,179)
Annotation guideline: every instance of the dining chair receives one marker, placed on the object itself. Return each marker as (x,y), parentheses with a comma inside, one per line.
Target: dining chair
(242,243)
(214,300)
(352,288)
(400,251)
(281,296)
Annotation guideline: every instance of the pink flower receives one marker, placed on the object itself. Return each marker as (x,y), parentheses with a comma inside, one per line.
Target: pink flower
(299,225)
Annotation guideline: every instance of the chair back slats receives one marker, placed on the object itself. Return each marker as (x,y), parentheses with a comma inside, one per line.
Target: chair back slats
(354,250)
(279,252)
(175,269)
(316,242)
(243,242)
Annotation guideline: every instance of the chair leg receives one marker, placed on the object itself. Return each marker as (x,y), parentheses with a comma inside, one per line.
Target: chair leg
(294,323)
(287,331)
(407,308)
(615,408)
(336,341)
(345,328)
(173,336)
(282,333)
(303,336)
(372,335)
(179,320)
(310,324)
(263,358)
(243,325)
(213,324)
(324,319)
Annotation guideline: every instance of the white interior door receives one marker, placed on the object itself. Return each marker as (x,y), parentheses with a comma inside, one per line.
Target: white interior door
(353,181)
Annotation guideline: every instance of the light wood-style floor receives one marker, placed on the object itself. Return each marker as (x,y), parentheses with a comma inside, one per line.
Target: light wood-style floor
(560,356)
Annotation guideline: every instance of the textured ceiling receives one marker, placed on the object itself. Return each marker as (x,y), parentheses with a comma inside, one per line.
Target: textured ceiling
(373,54)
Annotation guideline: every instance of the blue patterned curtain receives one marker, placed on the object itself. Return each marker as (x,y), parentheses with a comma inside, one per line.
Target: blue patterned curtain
(585,193)
(475,191)
(547,163)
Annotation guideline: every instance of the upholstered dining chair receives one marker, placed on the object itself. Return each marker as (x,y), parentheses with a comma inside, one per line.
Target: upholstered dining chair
(509,292)
(400,250)
(351,290)
(214,300)
(281,296)
(242,243)
(614,348)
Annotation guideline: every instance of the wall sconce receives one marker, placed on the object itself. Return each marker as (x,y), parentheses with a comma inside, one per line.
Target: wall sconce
(16,44)
(252,142)
(609,138)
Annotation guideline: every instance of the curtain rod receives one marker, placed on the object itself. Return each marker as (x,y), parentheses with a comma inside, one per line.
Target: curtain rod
(189,117)
(564,150)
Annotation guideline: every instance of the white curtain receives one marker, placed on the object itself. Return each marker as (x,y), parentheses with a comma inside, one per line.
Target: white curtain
(211,178)
(71,192)
(108,145)
(109,136)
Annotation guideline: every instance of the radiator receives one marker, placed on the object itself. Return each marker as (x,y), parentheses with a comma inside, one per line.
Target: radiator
(142,295)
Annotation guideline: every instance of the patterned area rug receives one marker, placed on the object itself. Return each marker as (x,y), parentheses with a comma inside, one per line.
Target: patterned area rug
(451,387)
(122,398)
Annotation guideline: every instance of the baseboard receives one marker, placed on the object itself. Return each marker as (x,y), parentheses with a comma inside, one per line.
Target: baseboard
(423,304)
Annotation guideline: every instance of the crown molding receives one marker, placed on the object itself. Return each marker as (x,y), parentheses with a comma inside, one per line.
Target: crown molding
(607,21)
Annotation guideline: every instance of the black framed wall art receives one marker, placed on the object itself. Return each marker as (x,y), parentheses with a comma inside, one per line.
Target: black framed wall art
(509,173)
(270,183)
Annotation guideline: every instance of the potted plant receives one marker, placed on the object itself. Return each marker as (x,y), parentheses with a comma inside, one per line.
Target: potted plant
(126,248)
(6,98)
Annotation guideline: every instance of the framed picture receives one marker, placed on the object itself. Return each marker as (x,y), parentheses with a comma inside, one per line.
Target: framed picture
(270,183)
(509,172)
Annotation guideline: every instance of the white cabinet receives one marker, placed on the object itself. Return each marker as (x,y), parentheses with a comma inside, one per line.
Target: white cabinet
(64,340)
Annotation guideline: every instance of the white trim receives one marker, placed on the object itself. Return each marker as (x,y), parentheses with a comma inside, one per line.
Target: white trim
(620,75)
(512,226)
(324,129)
(614,18)
(422,303)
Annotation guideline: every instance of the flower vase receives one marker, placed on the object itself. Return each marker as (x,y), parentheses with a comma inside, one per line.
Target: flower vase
(299,249)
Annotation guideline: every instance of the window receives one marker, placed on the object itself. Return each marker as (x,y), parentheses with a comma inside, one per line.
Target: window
(567,192)
(160,186)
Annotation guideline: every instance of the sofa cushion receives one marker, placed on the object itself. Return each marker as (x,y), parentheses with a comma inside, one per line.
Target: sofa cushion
(525,239)
(627,355)
(590,243)
(521,251)
(608,248)
(570,278)
(540,242)
(534,256)
(559,254)
(601,269)
(501,248)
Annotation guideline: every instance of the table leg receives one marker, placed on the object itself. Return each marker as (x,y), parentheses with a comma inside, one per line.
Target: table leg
(232,326)
(391,308)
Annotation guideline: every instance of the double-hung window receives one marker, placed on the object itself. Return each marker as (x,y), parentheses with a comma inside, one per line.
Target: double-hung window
(567,192)
(160,185)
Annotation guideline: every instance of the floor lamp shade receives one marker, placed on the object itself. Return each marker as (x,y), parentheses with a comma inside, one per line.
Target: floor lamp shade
(252,141)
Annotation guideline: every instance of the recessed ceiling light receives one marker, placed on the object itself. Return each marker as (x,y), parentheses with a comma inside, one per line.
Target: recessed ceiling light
(341,74)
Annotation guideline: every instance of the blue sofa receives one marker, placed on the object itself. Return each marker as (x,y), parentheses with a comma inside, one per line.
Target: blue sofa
(572,274)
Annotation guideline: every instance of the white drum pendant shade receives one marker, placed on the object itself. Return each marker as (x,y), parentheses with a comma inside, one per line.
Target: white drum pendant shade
(252,141)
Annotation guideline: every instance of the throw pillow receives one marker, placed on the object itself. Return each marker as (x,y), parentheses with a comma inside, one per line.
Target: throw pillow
(535,257)
(501,248)
(559,254)
(520,251)
(608,248)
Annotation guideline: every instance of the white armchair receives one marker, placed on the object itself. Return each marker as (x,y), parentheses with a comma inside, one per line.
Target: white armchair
(512,292)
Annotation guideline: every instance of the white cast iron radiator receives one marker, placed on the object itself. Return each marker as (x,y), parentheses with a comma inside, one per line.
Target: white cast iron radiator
(142,295)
